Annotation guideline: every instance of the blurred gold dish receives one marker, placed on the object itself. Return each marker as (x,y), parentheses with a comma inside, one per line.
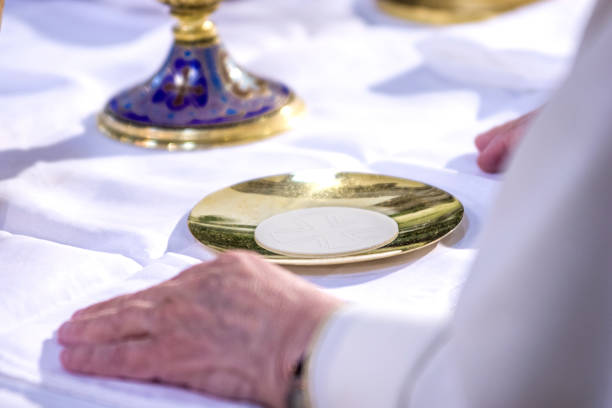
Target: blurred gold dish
(227,219)
(448,11)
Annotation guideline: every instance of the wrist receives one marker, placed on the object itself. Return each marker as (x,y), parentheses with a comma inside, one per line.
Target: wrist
(298,397)
(300,334)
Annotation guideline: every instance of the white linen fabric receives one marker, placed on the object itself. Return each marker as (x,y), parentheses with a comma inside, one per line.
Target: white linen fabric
(533,324)
(83,218)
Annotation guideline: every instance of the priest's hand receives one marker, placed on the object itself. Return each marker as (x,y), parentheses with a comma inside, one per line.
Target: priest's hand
(496,145)
(234,327)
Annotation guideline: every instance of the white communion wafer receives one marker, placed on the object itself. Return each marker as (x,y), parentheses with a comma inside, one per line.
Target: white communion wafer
(326,231)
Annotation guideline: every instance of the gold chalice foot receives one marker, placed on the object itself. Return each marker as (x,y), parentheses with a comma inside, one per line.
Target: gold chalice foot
(448,11)
(200,97)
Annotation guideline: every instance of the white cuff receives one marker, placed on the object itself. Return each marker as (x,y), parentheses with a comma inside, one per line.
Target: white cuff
(367,358)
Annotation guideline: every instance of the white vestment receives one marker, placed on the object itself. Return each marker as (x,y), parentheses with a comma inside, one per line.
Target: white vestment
(533,325)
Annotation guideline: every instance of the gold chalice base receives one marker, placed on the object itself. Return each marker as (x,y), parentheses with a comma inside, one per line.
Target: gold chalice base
(442,12)
(172,139)
(227,219)
(200,97)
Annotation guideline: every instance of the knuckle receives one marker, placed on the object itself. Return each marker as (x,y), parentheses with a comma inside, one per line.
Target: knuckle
(139,305)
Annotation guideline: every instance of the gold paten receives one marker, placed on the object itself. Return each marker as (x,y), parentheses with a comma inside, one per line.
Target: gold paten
(443,12)
(227,219)
(192,138)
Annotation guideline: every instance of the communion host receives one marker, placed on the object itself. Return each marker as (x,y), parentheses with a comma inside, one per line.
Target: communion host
(532,328)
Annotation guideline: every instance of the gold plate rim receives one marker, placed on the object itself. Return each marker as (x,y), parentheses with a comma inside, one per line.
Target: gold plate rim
(376,254)
(260,128)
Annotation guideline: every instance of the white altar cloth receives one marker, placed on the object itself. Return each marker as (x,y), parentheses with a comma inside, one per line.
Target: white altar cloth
(83,218)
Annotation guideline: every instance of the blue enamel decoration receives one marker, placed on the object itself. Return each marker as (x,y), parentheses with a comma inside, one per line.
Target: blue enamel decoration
(198,86)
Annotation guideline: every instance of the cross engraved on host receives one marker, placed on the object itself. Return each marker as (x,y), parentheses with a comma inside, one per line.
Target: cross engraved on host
(331,234)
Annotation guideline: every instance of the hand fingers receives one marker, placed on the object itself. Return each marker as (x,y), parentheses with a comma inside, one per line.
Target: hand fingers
(134,321)
(113,303)
(483,140)
(120,302)
(494,155)
(512,130)
(132,359)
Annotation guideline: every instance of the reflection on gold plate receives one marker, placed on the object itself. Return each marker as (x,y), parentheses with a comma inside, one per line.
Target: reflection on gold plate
(227,219)
(448,11)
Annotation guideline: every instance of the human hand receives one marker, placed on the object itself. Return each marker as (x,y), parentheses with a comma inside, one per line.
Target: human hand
(496,145)
(234,327)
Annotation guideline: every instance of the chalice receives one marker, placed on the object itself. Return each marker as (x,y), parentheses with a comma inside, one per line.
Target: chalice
(448,11)
(199,97)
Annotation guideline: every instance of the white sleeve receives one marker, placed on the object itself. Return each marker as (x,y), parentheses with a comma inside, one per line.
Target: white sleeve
(365,358)
(533,327)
